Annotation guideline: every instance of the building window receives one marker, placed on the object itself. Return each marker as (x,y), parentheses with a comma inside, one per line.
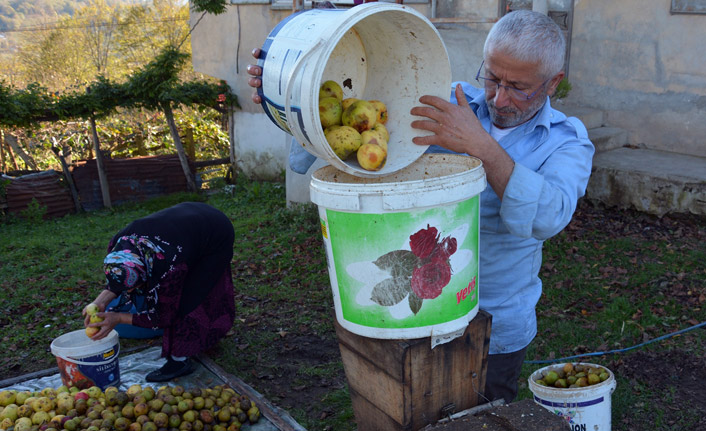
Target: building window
(688,7)
(308,4)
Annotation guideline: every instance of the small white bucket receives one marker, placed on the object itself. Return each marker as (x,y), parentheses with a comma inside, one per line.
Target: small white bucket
(386,284)
(380,51)
(84,362)
(585,409)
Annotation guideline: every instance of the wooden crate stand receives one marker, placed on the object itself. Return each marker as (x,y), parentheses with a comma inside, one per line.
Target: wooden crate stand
(405,384)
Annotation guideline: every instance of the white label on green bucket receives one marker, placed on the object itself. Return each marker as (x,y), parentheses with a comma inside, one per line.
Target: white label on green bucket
(404,270)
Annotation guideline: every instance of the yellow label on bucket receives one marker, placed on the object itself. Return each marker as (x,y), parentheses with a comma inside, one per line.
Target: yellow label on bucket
(108,354)
(324,231)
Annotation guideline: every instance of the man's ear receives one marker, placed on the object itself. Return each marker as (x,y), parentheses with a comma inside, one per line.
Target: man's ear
(551,86)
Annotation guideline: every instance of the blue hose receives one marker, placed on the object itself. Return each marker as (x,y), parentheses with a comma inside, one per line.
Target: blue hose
(609,352)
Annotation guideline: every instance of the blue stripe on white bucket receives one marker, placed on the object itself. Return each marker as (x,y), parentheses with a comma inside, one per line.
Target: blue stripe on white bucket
(565,404)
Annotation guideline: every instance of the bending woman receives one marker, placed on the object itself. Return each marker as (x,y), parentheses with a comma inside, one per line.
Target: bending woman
(175,264)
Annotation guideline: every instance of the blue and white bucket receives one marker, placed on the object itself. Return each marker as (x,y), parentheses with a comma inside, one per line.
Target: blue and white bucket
(382,51)
(84,362)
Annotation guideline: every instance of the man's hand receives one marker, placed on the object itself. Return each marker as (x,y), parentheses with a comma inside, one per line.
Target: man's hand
(255,73)
(456,128)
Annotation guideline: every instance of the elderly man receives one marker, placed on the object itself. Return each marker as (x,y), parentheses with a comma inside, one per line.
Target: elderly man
(537,162)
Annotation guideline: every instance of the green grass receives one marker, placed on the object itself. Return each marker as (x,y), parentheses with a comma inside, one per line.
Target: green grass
(609,283)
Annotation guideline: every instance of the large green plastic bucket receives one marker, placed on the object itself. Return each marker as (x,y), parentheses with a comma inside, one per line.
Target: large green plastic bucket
(402,249)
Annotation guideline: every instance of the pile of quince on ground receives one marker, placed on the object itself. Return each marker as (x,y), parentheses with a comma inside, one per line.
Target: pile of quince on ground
(354,126)
(218,408)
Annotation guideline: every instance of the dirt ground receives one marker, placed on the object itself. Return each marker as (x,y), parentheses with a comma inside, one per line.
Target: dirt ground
(677,378)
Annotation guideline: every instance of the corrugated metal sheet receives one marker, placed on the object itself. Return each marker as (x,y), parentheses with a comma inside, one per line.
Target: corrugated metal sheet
(48,188)
(134,179)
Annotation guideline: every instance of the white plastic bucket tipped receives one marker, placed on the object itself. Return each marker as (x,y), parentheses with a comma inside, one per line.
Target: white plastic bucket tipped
(402,250)
(380,51)
(84,362)
(585,409)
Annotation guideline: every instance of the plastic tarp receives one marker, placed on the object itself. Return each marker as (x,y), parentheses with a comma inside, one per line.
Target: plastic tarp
(134,368)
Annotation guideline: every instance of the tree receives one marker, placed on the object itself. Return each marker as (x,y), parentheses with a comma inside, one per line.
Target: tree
(55,58)
(99,23)
(215,7)
(148,28)
(157,86)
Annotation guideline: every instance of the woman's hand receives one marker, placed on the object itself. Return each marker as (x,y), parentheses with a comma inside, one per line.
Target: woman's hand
(255,73)
(109,322)
(101,302)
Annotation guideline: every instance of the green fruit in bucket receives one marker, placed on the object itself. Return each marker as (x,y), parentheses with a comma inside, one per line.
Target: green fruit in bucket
(374,137)
(371,157)
(330,111)
(331,89)
(551,377)
(593,379)
(345,103)
(361,116)
(381,109)
(382,130)
(343,140)
(561,383)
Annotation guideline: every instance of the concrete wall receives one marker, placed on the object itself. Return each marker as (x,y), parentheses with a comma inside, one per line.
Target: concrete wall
(221,46)
(645,69)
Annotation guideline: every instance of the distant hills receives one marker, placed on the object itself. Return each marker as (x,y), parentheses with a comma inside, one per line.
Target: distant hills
(18,15)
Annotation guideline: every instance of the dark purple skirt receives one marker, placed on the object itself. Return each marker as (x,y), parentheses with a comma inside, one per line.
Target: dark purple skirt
(203,327)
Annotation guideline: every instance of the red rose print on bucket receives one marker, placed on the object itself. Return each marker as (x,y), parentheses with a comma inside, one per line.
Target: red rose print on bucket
(430,279)
(424,242)
(419,274)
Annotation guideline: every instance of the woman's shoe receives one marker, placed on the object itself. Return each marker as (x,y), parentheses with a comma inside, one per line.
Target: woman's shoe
(171,370)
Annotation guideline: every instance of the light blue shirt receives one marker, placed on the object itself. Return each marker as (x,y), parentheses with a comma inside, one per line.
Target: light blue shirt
(553,158)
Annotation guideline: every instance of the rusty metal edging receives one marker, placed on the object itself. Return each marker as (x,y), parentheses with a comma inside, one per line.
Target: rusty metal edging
(279,417)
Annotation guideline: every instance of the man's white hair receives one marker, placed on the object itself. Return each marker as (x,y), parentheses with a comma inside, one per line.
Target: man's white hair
(531,37)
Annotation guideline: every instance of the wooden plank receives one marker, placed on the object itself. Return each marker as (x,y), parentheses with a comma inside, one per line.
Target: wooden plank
(385,353)
(453,373)
(213,162)
(375,384)
(368,417)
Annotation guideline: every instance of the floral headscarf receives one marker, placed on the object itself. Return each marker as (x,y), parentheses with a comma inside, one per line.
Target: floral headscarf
(130,263)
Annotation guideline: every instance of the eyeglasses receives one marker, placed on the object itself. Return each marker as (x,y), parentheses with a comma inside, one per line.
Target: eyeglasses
(513,92)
